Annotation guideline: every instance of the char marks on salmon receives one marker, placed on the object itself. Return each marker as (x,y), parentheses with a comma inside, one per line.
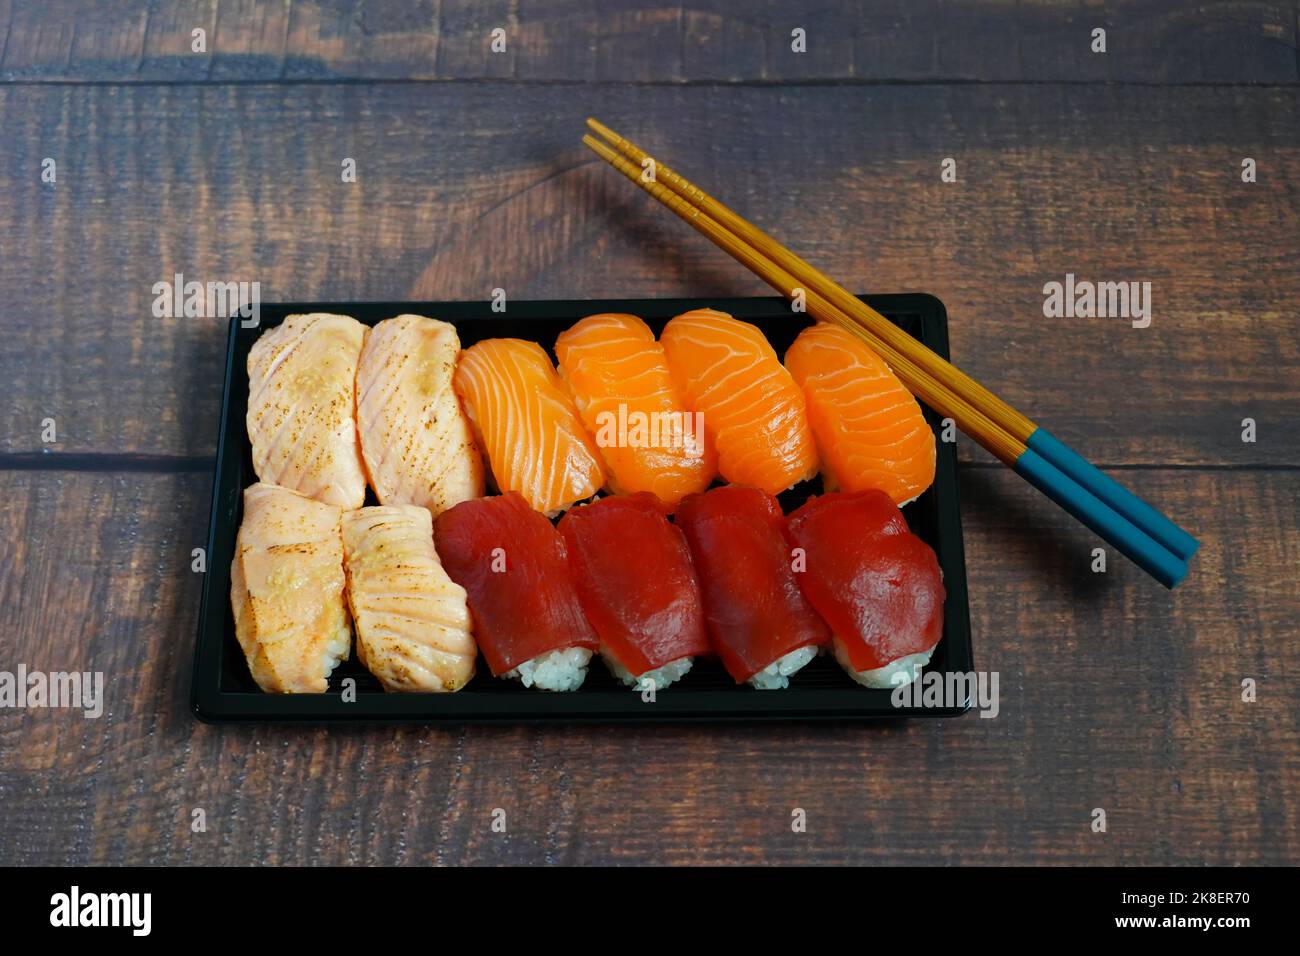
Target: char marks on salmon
(412,620)
(286,590)
(302,378)
(415,439)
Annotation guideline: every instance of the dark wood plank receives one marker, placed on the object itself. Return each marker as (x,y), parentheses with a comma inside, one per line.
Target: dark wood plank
(167,44)
(243,183)
(250,41)
(1114,694)
(1148,41)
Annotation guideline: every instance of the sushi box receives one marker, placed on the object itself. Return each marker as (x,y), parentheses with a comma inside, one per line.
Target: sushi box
(223,689)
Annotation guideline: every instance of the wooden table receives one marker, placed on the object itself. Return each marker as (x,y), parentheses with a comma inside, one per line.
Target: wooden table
(225,165)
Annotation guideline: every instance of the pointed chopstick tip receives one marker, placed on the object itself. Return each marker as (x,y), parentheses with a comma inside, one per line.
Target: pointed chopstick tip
(595,145)
(602,129)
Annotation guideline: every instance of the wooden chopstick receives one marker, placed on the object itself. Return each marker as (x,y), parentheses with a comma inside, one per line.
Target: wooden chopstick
(1154,557)
(880,327)
(1019,426)
(969,419)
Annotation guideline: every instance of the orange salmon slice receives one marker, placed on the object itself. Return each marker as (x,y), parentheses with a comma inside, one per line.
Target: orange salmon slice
(647,434)
(753,410)
(525,421)
(869,429)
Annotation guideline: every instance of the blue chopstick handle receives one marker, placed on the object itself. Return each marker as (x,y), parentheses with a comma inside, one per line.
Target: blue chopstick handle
(1143,550)
(1147,518)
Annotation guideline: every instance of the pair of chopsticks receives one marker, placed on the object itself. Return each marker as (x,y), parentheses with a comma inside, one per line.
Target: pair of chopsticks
(1135,528)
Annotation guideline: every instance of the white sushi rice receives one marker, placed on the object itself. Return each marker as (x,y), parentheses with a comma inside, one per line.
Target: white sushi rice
(339,647)
(894,674)
(560,670)
(661,676)
(776,675)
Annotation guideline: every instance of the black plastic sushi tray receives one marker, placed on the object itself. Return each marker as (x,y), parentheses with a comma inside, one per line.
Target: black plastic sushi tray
(223,689)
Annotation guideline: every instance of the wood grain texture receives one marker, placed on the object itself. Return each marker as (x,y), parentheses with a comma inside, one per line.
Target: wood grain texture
(243,183)
(1148,41)
(1114,694)
(226,166)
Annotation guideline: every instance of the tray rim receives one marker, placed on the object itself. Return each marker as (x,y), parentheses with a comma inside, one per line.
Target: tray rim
(211,704)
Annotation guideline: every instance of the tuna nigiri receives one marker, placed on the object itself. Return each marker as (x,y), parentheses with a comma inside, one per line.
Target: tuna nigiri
(762,626)
(412,621)
(876,584)
(526,423)
(286,590)
(869,429)
(648,437)
(753,411)
(512,563)
(415,440)
(634,577)
(302,381)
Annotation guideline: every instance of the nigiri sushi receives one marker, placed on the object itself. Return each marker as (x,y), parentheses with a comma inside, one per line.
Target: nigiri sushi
(525,421)
(633,572)
(286,590)
(648,437)
(761,624)
(302,391)
(413,629)
(753,411)
(415,440)
(870,430)
(512,564)
(878,585)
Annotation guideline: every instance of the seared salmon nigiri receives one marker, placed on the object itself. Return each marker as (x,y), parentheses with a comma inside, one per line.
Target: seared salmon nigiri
(286,590)
(753,411)
(415,440)
(302,389)
(869,429)
(525,420)
(643,426)
(413,629)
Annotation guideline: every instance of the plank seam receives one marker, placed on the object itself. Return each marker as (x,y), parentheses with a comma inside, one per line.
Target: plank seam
(105,462)
(845,82)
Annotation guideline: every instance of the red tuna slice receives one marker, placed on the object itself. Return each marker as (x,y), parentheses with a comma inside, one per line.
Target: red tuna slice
(512,563)
(876,584)
(752,603)
(634,577)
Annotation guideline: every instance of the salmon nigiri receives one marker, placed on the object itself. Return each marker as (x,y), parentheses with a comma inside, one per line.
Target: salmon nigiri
(762,626)
(413,630)
(753,411)
(513,566)
(627,398)
(527,424)
(870,430)
(286,590)
(415,440)
(302,394)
